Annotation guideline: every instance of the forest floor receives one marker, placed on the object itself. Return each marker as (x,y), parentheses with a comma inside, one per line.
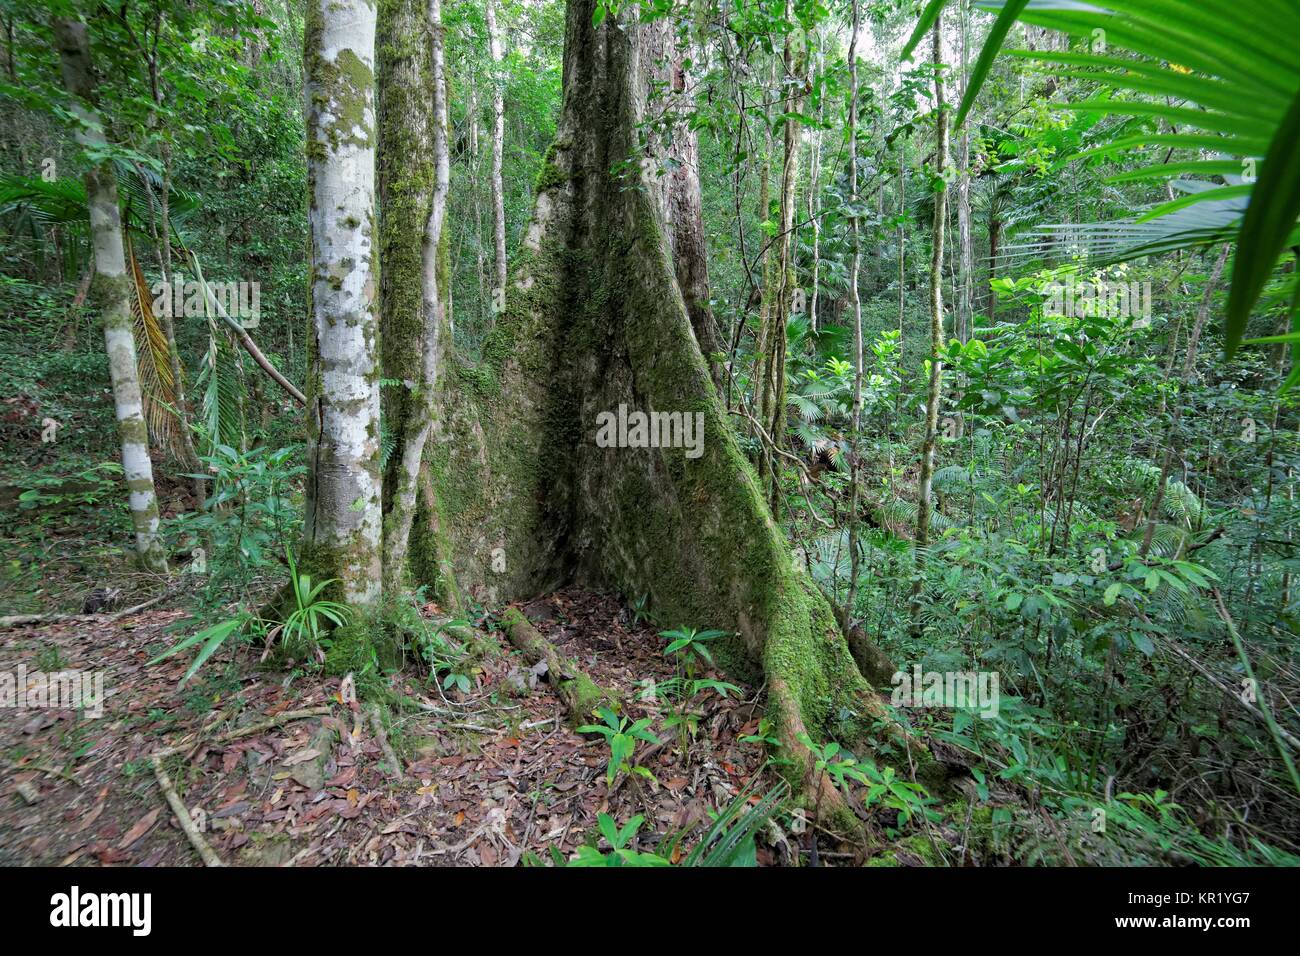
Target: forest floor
(487,776)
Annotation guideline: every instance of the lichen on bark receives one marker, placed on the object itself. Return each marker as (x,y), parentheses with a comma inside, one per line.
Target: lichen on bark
(343,496)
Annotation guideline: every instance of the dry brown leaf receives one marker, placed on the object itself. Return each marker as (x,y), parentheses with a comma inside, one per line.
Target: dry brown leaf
(142,826)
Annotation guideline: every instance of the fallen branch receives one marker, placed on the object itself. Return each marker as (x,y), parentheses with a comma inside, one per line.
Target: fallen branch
(210,857)
(578,691)
(245,339)
(1227,690)
(63,774)
(21,620)
(1267,711)
(204,849)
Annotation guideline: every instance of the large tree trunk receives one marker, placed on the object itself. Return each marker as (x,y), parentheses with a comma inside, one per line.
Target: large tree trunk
(679,185)
(595,319)
(342,535)
(111,290)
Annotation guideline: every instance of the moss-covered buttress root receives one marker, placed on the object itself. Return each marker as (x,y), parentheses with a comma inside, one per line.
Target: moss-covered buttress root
(594,322)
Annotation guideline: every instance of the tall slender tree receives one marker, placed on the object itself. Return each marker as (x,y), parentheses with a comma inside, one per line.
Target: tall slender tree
(498,146)
(413,82)
(855,300)
(111,289)
(343,499)
(770,382)
(934,390)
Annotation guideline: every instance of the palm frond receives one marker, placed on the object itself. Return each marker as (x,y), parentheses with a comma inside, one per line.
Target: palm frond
(221,378)
(157,385)
(1214,73)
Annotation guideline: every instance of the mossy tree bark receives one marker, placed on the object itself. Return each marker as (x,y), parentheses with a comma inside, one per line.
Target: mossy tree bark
(595,319)
(415,324)
(343,520)
(417,49)
(111,291)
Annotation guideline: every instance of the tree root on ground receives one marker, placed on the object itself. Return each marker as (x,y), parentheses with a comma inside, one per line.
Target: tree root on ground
(578,691)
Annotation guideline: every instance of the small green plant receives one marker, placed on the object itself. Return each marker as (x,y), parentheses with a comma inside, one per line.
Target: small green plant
(308,623)
(447,659)
(728,841)
(765,734)
(641,610)
(884,787)
(621,734)
(50,658)
(305,625)
(682,720)
(688,646)
(250,513)
(829,762)
(620,854)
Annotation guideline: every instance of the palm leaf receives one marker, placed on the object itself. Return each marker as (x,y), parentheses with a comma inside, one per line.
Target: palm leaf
(1219,76)
(220,378)
(157,385)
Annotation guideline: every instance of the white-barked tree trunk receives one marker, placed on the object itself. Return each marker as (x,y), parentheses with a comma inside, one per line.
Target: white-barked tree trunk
(111,291)
(343,499)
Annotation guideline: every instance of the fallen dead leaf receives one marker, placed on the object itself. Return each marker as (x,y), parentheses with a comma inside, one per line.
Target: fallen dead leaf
(311,753)
(142,826)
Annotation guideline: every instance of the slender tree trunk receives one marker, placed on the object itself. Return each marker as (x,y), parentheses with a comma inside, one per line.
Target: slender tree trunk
(934,392)
(343,497)
(169,329)
(770,384)
(475,171)
(814,186)
(111,290)
(1189,367)
(856,302)
(412,77)
(995,241)
(498,145)
(183,409)
(902,264)
(966,283)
